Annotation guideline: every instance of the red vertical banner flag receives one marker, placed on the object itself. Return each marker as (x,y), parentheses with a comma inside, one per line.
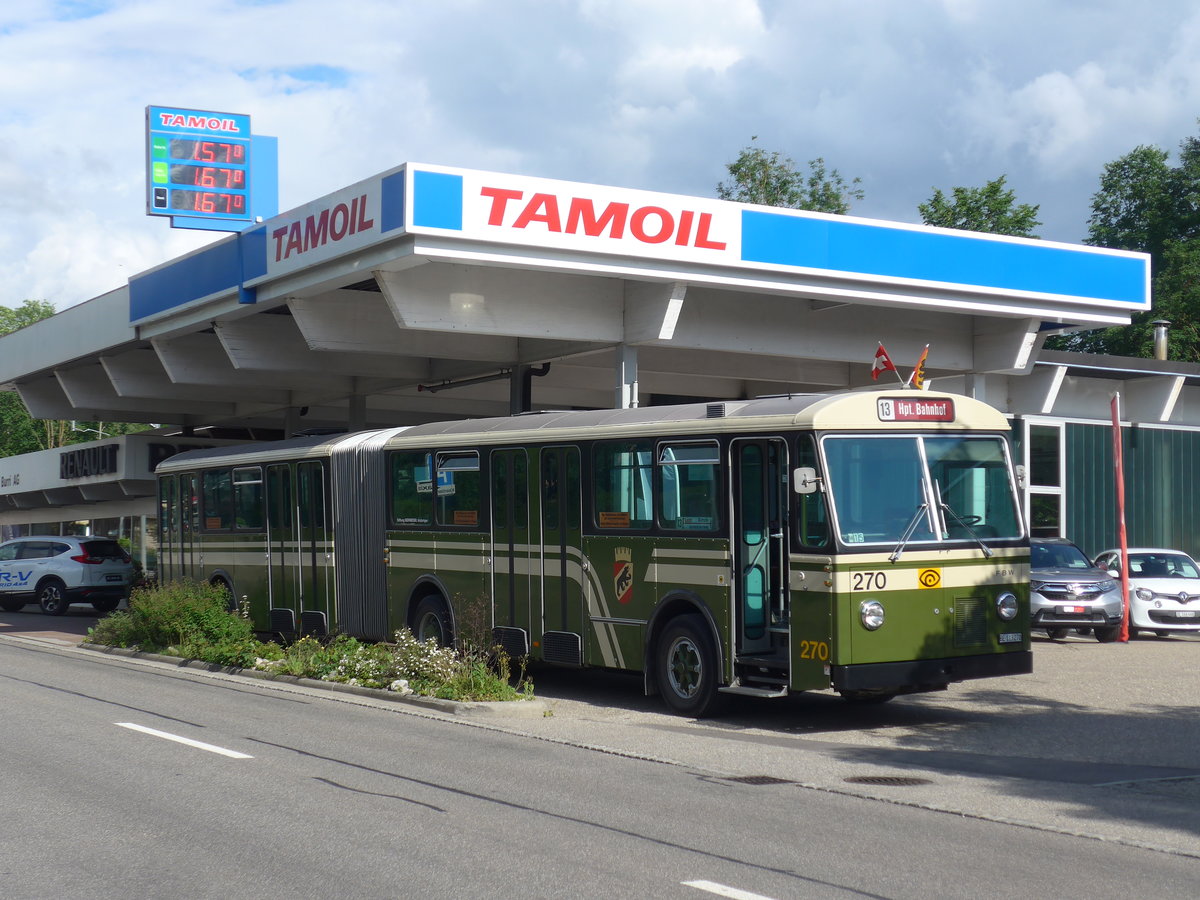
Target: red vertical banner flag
(883,363)
(1119,475)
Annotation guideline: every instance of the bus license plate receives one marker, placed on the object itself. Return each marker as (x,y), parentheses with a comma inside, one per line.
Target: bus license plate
(1011,637)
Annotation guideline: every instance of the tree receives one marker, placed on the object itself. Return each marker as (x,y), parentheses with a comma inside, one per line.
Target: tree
(770,179)
(990,208)
(1148,205)
(26,314)
(1135,207)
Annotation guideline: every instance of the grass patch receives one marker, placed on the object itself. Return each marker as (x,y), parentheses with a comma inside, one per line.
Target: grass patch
(192,620)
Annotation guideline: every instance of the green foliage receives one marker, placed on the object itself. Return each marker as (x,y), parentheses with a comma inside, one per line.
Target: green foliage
(26,314)
(990,209)
(192,620)
(1148,205)
(182,618)
(770,179)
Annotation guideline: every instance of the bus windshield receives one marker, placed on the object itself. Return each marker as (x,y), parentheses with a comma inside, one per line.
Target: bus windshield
(943,488)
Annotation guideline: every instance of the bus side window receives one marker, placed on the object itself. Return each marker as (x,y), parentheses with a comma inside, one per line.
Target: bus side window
(217,495)
(812,515)
(622,477)
(412,488)
(248,498)
(458,488)
(688,486)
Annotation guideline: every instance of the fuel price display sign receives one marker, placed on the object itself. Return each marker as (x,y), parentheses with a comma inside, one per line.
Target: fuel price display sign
(197,163)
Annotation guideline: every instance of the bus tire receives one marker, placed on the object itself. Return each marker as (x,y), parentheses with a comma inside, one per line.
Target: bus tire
(432,620)
(687,668)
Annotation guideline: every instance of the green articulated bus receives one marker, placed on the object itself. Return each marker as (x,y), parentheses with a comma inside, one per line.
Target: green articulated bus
(868,542)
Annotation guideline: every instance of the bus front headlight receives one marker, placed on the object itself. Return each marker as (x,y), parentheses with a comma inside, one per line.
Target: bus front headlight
(872,614)
(1006,606)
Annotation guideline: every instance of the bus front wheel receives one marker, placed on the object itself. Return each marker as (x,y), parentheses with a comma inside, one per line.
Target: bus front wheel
(687,668)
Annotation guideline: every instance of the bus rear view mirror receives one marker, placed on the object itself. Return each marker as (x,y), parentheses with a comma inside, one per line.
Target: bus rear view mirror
(806,481)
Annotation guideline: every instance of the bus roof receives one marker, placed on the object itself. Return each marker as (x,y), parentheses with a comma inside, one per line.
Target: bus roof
(860,411)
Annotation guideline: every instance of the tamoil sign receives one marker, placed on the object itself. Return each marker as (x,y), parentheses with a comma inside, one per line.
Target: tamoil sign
(573,216)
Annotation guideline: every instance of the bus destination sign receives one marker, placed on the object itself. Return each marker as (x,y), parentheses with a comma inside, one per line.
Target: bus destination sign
(197,164)
(902,409)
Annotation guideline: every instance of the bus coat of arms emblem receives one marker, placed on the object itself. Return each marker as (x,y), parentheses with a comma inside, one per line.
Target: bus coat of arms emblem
(623,574)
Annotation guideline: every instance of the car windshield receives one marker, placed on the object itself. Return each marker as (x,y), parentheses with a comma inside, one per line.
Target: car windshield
(1057,556)
(1162,565)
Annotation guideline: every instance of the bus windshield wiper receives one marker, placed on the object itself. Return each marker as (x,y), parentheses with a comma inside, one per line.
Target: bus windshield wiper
(987,551)
(911,527)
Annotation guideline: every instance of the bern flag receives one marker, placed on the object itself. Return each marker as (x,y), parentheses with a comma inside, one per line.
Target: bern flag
(918,375)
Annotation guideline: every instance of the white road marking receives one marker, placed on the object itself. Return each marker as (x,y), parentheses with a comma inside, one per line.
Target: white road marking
(724,890)
(200,745)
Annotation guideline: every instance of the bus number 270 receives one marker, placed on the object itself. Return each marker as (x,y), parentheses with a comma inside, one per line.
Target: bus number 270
(868,581)
(814,650)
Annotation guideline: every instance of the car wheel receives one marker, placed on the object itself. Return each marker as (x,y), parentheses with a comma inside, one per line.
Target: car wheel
(1132,632)
(432,622)
(106,605)
(1107,635)
(1056,634)
(11,605)
(1083,631)
(1163,634)
(687,668)
(52,597)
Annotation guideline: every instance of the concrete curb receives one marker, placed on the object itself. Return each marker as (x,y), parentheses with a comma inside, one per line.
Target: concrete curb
(509,709)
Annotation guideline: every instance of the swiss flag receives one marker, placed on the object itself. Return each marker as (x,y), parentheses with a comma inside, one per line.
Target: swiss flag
(883,363)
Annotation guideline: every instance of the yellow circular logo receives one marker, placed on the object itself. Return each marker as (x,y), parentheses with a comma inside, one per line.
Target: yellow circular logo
(929,578)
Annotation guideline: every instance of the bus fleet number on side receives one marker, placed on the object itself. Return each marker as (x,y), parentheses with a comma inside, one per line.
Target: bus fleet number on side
(814,650)
(868,581)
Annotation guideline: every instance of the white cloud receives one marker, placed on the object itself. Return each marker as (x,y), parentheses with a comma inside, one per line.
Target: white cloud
(656,94)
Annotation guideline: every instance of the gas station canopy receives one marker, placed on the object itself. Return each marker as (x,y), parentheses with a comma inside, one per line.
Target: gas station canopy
(429,292)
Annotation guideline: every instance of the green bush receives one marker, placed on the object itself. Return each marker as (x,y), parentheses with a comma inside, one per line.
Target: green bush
(192,620)
(182,618)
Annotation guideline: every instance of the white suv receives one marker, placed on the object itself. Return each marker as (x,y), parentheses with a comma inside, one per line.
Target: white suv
(55,572)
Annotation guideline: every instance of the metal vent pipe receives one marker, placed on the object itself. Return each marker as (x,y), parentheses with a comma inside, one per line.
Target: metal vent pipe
(1161,327)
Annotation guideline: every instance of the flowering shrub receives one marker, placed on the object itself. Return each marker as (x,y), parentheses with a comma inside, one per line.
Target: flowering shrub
(191,620)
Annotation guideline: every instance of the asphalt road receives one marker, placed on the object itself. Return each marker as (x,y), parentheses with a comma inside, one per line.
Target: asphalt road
(1079,780)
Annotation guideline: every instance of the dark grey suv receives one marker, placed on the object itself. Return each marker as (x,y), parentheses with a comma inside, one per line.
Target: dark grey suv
(1066,591)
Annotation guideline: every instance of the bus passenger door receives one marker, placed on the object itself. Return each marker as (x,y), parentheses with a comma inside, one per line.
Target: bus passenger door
(178,522)
(563,613)
(759,539)
(511,568)
(283,561)
(314,537)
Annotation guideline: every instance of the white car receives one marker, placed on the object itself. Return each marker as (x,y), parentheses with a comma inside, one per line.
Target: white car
(1164,589)
(55,572)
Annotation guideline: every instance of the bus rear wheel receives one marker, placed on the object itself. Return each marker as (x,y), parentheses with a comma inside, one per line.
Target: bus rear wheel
(687,668)
(432,621)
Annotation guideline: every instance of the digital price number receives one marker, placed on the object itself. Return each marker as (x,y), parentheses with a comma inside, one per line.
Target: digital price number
(196,174)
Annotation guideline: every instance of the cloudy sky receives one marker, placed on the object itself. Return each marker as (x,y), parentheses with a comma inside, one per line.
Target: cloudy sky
(906,95)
